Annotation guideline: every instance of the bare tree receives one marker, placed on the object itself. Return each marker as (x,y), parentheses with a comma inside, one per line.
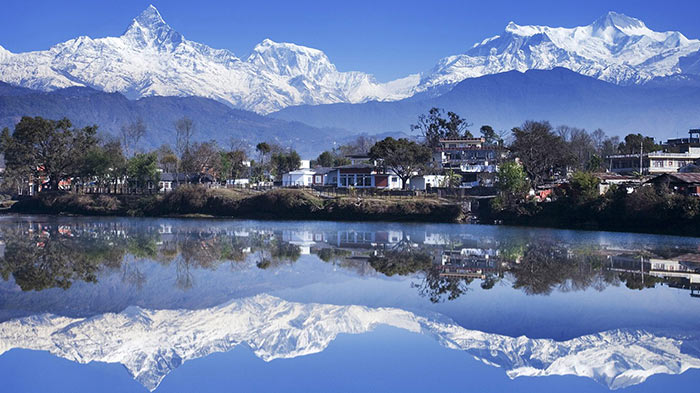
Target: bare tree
(184,130)
(130,134)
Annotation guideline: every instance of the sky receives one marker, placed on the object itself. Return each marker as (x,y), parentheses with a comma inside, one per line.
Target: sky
(389,39)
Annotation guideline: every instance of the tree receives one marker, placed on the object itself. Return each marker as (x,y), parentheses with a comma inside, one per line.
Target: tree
(434,126)
(167,160)
(39,147)
(452,179)
(130,134)
(232,164)
(583,186)
(633,142)
(581,145)
(490,136)
(330,159)
(106,163)
(402,156)
(263,148)
(200,157)
(360,145)
(143,168)
(512,185)
(284,162)
(540,150)
(184,131)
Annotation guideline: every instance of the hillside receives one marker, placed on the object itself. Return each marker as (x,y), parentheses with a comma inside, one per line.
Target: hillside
(665,108)
(213,120)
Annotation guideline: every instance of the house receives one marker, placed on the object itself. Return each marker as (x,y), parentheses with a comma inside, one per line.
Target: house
(238,182)
(426,182)
(606,180)
(298,178)
(676,154)
(324,176)
(680,183)
(365,176)
(170,181)
(471,158)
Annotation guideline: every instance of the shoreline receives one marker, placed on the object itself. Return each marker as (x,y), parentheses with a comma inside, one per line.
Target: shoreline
(292,205)
(279,204)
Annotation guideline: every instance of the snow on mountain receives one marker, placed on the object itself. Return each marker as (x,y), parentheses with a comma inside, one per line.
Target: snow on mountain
(615,48)
(151,58)
(151,343)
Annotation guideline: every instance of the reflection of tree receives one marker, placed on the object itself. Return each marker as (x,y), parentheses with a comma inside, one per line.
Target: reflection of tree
(330,254)
(47,258)
(277,252)
(435,285)
(402,261)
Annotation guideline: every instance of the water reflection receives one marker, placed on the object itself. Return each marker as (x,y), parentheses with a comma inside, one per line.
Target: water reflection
(152,294)
(152,343)
(44,254)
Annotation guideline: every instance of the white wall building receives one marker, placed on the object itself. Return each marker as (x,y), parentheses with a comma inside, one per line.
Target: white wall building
(298,178)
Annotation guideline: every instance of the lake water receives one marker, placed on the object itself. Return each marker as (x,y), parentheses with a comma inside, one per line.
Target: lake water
(169,305)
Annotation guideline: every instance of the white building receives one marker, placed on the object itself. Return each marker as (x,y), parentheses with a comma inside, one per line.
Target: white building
(298,178)
(424,182)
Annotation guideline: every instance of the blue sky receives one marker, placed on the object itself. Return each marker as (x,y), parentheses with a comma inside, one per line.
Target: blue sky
(389,39)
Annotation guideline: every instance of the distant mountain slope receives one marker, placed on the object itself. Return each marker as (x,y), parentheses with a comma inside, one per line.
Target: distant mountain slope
(213,120)
(507,99)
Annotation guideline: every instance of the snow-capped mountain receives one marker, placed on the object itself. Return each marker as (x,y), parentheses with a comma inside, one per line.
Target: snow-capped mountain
(151,343)
(615,48)
(151,58)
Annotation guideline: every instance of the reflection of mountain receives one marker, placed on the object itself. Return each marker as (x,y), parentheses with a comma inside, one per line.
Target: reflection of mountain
(151,343)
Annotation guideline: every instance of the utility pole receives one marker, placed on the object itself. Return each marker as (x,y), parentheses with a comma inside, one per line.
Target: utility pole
(641,152)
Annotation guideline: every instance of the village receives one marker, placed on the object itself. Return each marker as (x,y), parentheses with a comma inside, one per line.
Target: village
(447,162)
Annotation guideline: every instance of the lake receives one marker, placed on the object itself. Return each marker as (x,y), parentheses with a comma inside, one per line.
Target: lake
(182,305)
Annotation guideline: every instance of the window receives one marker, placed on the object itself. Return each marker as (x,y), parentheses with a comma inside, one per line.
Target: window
(343,180)
(394,179)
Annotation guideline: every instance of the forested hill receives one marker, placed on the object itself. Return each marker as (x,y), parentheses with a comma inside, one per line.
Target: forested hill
(212,119)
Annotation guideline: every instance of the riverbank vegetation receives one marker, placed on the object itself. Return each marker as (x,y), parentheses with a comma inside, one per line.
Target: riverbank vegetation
(190,200)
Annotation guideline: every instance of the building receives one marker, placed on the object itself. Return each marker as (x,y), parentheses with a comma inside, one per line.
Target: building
(607,180)
(364,176)
(680,183)
(676,154)
(426,182)
(324,176)
(298,178)
(471,158)
(170,181)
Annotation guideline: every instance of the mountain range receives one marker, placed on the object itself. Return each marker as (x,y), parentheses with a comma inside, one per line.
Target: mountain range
(152,59)
(615,74)
(152,343)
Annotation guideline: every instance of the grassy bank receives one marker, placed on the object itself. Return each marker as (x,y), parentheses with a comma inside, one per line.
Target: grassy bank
(275,204)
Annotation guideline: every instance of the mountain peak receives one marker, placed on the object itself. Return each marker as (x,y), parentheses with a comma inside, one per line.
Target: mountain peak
(150,17)
(616,20)
(149,28)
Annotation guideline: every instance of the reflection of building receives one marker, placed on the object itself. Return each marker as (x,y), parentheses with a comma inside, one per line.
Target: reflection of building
(469,263)
(354,239)
(682,271)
